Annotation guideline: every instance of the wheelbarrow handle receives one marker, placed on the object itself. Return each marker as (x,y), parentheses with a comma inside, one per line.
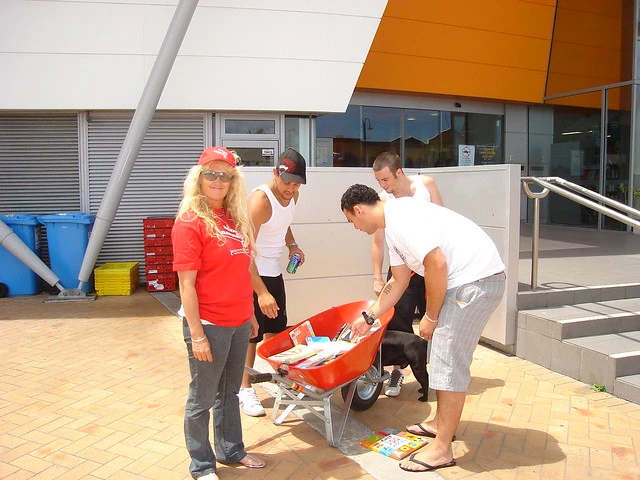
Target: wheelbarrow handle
(261,377)
(256,376)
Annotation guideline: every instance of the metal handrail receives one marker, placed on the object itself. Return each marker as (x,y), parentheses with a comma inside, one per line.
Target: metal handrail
(561,187)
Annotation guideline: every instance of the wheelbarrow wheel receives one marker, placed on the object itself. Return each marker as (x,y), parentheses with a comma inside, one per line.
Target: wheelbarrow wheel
(366,393)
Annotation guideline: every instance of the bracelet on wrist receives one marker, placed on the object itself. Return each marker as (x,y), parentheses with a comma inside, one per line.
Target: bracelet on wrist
(197,340)
(429,319)
(294,244)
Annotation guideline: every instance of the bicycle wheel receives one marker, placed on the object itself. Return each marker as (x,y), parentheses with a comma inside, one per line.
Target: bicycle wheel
(366,393)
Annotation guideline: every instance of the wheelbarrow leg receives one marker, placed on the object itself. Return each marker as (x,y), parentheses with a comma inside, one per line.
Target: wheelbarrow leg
(282,392)
(276,405)
(286,411)
(334,439)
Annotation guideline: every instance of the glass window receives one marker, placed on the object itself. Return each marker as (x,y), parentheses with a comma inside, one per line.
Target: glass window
(540,140)
(636,163)
(477,136)
(575,155)
(617,150)
(338,138)
(297,135)
(262,155)
(435,139)
(249,127)
(564,141)
(358,136)
(381,132)
(567,141)
(423,138)
(425,133)
(485,133)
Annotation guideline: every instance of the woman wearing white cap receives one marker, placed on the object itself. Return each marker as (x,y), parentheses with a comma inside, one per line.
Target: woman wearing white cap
(213,246)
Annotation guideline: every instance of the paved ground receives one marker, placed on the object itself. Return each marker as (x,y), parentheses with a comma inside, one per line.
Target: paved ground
(579,257)
(96,390)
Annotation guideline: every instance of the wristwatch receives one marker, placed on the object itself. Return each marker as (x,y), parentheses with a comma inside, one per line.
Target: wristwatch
(368,318)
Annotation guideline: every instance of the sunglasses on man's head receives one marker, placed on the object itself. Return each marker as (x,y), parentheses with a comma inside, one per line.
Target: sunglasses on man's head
(213,176)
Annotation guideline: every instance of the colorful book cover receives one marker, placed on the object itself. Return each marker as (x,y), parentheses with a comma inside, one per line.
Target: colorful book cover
(393,443)
(312,340)
(301,332)
(293,355)
(344,333)
(315,360)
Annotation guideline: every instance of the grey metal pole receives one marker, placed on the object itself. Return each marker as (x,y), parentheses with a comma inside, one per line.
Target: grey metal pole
(135,135)
(535,243)
(535,238)
(13,243)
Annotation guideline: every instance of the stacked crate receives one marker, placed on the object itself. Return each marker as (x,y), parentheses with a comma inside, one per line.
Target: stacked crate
(158,254)
(116,278)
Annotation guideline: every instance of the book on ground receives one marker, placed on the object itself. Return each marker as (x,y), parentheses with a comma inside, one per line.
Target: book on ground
(393,443)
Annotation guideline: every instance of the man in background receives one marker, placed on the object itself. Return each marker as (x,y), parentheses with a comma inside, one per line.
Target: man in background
(387,168)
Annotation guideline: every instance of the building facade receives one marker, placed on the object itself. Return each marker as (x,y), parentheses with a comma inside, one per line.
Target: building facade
(546,84)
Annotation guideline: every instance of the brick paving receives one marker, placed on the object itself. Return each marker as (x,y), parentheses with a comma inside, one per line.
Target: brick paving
(96,390)
(522,421)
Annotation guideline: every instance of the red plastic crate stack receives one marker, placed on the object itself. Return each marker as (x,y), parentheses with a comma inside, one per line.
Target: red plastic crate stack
(158,254)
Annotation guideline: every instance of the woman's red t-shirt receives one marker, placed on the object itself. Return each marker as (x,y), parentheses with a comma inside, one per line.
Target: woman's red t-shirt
(223,282)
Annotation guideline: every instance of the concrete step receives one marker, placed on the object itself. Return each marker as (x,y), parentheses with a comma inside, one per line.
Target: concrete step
(604,358)
(628,388)
(594,342)
(582,320)
(550,297)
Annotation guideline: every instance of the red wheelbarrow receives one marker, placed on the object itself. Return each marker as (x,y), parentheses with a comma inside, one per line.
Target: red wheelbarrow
(353,372)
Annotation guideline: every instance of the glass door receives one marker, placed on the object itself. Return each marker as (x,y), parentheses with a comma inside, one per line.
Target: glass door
(255,153)
(617,151)
(256,138)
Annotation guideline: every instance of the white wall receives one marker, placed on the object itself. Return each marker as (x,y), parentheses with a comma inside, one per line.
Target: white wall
(249,55)
(338,257)
(490,196)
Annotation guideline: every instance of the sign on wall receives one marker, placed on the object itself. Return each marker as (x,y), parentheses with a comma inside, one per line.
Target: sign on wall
(466,154)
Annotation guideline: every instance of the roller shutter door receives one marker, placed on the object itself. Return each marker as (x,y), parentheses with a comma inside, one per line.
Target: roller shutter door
(39,164)
(171,146)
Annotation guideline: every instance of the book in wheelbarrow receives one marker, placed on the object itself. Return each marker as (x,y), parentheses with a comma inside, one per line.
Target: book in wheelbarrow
(346,367)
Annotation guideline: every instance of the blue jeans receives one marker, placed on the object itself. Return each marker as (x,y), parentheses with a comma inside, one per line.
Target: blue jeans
(215,385)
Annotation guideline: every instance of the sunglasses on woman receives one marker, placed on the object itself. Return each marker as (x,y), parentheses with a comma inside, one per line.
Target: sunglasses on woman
(222,176)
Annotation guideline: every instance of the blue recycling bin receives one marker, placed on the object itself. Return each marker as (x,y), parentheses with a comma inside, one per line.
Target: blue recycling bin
(67,240)
(18,277)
